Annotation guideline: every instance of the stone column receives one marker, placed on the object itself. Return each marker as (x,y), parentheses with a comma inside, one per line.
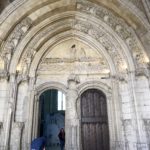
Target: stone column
(1,126)
(142,90)
(3,99)
(36,116)
(72,120)
(10,109)
(147,130)
(135,113)
(30,111)
(16,135)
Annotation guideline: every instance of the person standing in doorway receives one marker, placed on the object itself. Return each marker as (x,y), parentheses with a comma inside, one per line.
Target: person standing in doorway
(61,136)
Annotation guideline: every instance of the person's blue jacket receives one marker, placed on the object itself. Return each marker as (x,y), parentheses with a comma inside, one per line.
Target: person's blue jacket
(38,143)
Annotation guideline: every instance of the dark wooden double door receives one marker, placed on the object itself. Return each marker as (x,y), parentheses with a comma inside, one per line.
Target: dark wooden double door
(94,121)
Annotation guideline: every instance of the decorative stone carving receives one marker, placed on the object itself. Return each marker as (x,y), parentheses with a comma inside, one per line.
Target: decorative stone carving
(76,58)
(5,58)
(73,78)
(117,24)
(72,96)
(71,113)
(120,77)
(138,4)
(18,33)
(4,75)
(13,40)
(142,72)
(100,35)
(22,78)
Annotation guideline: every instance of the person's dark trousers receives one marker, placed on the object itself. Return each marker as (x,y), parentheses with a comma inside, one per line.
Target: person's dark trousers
(62,144)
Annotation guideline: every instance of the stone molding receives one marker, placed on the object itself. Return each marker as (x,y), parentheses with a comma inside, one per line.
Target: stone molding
(118,25)
(95,84)
(119,29)
(22,78)
(10,9)
(13,40)
(50,85)
(142,72)
(73,78)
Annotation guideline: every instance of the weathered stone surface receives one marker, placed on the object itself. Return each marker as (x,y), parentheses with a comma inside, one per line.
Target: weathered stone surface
(75,45)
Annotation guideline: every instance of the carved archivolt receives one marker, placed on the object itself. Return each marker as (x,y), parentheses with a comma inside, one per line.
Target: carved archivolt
(10,9)
(102,37)
(17,35)
(99,34)
(117,24)
(13,41)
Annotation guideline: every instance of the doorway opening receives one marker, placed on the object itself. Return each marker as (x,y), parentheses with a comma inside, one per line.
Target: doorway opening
(51,116)
(94,120)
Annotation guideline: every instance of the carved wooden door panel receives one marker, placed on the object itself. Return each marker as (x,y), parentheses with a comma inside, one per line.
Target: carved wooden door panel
(94,121)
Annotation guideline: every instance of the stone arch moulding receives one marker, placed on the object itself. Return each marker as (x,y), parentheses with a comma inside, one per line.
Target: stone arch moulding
(95,84)
(107,91)
(50,85)
(124,47)
(64,36)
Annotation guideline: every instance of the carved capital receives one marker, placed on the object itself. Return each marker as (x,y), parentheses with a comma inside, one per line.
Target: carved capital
(12,77)
(142,72)
(120,77)
(22,78)
(4,75)
(73,78)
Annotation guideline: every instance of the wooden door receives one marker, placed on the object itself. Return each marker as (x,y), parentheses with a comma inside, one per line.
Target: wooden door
(94,121)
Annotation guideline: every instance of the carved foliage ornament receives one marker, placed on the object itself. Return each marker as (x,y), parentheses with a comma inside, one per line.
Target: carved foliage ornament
(117,24)
(17,34)
(100,36)
(30,50)
(13,40)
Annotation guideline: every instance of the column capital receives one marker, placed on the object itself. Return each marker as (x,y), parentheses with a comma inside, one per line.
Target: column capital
(4,75)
